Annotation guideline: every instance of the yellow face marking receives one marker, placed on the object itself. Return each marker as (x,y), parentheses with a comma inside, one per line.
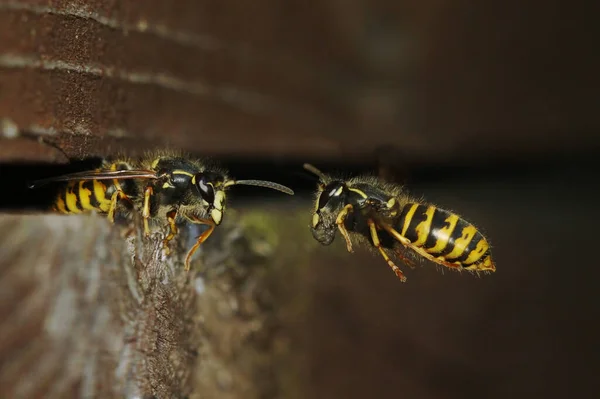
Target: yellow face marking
(482,247)
(409,216)
(354,190)
(461,243)
(183,172)
(219,200)
(443,235)
(216,215)
(60,205)
(315,220)
(99,193)
(317,201)
(84,197)
(71,200)
(424,227)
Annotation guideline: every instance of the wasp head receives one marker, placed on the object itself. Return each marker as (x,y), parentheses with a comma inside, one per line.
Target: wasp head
(331,199)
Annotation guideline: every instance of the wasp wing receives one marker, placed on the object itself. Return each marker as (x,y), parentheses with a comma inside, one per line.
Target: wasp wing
(99,175)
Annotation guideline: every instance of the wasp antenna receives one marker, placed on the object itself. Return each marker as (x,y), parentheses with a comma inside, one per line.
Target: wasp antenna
(312,169)
(261,183)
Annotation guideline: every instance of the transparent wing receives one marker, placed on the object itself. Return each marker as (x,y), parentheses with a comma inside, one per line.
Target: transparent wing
(99,175)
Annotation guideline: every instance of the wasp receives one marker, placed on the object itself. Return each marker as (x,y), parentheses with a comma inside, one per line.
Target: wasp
(371,210)
(165,189)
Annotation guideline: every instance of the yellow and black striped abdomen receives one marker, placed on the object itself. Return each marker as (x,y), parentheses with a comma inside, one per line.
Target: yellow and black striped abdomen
(83,196)
(445,236)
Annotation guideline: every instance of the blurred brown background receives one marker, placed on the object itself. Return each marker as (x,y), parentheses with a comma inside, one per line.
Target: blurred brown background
(487,108)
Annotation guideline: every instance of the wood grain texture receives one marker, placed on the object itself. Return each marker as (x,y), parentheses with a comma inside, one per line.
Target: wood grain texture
(61,334)
(301,79)
(87,313)
(82,321)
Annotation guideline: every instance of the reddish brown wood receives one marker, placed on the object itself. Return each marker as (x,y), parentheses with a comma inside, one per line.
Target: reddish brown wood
(441,80)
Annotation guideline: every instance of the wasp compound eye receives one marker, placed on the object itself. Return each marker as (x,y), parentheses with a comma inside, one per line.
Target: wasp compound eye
(331,190)
(205,188)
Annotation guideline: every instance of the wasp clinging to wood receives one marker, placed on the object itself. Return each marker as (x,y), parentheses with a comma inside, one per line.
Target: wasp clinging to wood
(165,189)
(367,208)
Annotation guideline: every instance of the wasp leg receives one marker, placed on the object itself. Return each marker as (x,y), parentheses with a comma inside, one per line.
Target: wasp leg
(406,242)
(211,226)
(171,216)
(114,199)
(377,245)
(146,210)
(340,223)
(408,262)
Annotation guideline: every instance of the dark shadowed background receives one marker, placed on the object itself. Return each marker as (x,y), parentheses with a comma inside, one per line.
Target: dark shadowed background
(486,108)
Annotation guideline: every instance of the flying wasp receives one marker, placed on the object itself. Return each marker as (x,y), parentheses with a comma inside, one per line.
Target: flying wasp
(367,209)
(165,189)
